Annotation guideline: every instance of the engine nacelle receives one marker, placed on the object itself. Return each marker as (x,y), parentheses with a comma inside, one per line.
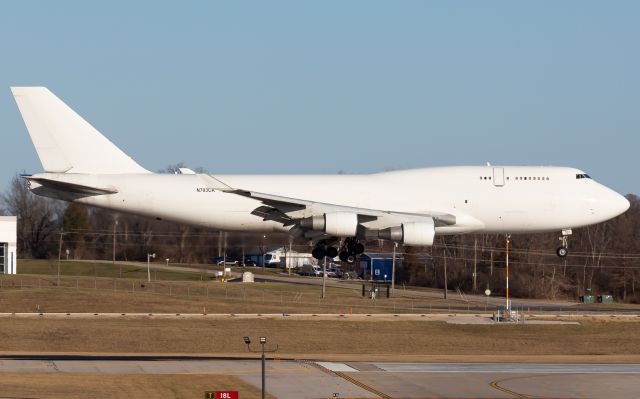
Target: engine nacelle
(412,234)
(338,224)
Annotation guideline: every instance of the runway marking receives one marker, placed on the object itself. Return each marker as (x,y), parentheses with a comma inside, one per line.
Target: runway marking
(362,385)
(494,384)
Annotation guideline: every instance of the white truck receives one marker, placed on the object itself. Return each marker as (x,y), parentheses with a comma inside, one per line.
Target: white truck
(282,257)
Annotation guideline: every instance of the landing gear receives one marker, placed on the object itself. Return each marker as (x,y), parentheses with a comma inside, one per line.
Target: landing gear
(323,249)
(348,252)
(318,252)
(332,252)
(563,250)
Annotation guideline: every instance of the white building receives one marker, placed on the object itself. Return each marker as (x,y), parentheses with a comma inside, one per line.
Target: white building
(8,228)
(282,257)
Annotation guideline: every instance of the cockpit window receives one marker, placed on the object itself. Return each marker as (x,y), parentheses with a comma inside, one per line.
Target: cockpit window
(583,176)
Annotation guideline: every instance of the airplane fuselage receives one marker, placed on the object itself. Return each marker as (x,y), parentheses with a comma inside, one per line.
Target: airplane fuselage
(491,199)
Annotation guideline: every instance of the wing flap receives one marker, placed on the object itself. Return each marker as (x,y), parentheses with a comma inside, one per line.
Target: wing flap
(292,209)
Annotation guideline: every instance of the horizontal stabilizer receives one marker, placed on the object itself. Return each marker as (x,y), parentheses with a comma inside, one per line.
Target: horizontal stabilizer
(70,187)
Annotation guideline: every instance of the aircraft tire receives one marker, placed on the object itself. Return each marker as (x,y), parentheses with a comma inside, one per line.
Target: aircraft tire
(332,252)
(318,253)
(562,252)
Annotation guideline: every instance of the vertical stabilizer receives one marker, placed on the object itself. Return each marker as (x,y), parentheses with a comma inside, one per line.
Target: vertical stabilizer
(65,142)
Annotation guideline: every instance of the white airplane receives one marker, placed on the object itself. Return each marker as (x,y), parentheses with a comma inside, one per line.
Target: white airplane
(336,212)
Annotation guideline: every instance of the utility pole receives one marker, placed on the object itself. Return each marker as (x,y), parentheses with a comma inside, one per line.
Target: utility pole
(393,269)
(149,256)
(491,262)
(324,277)
(475,264)
(59,254)
(115,227)
(224,255)
(444,252)
(507,272)
(289,259)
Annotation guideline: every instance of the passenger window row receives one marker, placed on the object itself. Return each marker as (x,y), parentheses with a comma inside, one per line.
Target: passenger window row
(532,178)
(520,178)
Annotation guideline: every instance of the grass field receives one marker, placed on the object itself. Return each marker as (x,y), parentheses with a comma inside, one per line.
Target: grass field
(44,292)
(183,292)
(305,338)
(125,386)
(46,267)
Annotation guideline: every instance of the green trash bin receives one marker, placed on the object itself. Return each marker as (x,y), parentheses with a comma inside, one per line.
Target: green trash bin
(605,298)
(587,299)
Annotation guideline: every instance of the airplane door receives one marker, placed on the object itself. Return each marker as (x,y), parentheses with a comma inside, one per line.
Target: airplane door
(498,177)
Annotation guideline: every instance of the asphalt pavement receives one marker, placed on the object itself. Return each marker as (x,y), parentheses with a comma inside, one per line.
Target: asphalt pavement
(317,379)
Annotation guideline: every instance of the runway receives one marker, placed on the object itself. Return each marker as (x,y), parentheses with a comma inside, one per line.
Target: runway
(310,379)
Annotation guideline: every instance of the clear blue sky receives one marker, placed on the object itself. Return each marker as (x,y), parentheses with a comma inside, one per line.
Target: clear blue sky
(328,86)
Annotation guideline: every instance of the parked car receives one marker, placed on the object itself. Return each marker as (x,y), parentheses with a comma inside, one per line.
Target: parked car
(333,270)
(310,270)
(228,261)
(249,262)
(330,272)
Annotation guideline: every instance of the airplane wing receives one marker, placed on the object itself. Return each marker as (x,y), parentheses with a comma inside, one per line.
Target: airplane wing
(289,211)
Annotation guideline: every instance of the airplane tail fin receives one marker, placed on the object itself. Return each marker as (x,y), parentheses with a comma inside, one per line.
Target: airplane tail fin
(65,142)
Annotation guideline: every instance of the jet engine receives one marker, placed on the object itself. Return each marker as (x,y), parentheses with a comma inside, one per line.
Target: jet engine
(338,224)
(412,233)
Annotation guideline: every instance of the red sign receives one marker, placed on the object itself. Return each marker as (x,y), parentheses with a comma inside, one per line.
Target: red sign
(221,395)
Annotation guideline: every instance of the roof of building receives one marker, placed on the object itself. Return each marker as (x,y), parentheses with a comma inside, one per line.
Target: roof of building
(381,255)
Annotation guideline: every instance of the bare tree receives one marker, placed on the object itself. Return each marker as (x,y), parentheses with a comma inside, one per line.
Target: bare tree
(38,219)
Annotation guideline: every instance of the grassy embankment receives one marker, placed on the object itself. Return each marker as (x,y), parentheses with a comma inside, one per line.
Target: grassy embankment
(96,287)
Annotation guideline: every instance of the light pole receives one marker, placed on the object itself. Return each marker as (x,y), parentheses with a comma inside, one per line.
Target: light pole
(263,341)
(507,237)
(393,269)
(324,278)
(59,254)
(149,256)
(115,227)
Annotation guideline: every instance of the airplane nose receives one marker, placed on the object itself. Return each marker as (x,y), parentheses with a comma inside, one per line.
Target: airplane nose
(615,204)
(621,204)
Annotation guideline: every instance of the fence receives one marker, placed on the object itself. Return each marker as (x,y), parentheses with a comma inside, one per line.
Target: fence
(339,300)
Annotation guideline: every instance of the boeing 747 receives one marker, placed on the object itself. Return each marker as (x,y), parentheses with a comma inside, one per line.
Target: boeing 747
(338,213)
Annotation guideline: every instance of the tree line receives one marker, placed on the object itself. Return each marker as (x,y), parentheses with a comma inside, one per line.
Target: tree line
(604,258)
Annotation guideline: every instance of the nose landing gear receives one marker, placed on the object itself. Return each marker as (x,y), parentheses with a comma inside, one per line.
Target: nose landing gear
(563,250)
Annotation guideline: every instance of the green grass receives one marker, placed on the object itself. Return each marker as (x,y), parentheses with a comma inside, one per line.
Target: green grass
(43,267)
(200,288)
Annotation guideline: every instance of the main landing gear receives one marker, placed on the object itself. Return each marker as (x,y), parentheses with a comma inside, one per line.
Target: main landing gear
(347,253)
(563,250)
